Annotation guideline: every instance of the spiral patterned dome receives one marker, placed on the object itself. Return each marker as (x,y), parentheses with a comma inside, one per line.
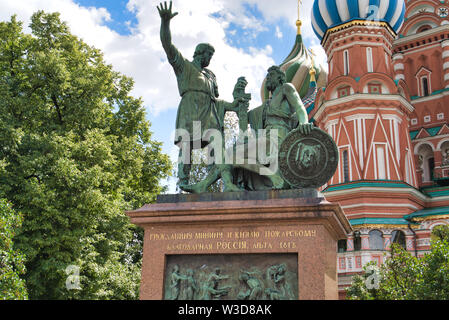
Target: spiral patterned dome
(297,67)
(327,14)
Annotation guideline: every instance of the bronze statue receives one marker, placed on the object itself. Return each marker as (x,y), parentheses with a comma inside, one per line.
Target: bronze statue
(199,101)
(282,117)
(283,113)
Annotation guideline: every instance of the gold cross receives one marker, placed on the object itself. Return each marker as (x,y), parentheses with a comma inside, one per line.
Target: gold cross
(312,70)
(312,53)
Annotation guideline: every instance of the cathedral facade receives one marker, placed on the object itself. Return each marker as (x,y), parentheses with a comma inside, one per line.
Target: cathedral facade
(385,102)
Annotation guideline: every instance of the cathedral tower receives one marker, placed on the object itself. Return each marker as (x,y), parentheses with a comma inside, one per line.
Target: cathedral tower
(366,108)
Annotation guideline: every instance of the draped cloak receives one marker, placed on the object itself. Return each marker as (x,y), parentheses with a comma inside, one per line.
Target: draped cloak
(199,92)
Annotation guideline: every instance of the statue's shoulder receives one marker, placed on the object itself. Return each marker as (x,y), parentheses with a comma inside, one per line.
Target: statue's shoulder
(209,72)
(288,88)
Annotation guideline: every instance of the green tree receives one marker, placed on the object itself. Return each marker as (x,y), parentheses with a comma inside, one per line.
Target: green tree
(440,232)
(406,277)
(12,287)
(77,153)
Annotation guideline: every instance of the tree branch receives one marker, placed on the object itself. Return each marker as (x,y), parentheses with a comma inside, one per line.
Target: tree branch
(58,109)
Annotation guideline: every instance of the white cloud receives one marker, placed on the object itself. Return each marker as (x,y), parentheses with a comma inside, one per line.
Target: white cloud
(279,34)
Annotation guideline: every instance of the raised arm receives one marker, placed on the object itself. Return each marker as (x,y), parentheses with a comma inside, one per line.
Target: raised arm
(165,11)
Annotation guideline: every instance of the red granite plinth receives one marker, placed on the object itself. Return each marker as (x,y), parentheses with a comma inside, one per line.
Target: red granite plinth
(307,227)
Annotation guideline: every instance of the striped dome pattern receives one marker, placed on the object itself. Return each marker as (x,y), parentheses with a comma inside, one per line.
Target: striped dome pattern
(327,14)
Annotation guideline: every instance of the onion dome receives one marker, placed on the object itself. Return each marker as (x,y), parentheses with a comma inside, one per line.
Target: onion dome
(301,70)
(327,14)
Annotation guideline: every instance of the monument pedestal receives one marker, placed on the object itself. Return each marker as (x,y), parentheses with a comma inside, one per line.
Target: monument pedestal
(244,245)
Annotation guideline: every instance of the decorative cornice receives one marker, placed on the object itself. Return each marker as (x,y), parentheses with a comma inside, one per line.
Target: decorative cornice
(407,39)
(383,226)
(364,96)
(434,217)
(358,23)
(378,189)
(432,38)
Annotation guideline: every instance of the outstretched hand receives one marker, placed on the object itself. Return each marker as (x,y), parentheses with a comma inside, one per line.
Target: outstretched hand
(240,102)
(241,99)
(165,11)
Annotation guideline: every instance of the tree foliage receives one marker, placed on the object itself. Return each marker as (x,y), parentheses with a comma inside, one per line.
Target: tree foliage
(440,232)
(77,153)
(12,287)
(406,277)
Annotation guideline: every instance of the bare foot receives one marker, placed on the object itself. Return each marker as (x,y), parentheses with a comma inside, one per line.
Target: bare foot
(230,187)
(277,181)
(200,187)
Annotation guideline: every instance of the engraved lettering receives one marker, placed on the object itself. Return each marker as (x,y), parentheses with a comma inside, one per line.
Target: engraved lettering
(209,235)
(262,245)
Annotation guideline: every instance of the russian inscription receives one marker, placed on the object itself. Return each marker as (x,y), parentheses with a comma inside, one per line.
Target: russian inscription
(232,240)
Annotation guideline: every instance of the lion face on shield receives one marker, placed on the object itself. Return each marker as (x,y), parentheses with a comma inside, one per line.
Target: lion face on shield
(307,157)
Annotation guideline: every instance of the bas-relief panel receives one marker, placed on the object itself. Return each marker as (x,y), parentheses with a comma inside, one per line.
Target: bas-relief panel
(231,277)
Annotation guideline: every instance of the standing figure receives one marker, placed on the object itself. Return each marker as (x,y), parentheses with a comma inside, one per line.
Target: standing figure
(191,287)
(199,104)
(175,282)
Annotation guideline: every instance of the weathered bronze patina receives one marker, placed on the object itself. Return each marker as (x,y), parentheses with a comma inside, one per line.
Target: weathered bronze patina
(308,161)
(199,101)
(232,277)
(296,155)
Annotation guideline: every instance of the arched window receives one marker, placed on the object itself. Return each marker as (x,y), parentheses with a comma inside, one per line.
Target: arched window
(357,241)
(423,28)
(398,237)
(346,62)
(346,177)
(431,164)
(381,162)
(342,246)
(445,153)
(425,86)
(376,241)
(426,162)
(369,59)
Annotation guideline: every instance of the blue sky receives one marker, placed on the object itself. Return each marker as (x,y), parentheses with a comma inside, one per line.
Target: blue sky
(249,36)
(122,18)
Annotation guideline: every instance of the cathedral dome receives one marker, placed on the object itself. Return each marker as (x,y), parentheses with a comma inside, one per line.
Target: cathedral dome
(327,14)
(302,71)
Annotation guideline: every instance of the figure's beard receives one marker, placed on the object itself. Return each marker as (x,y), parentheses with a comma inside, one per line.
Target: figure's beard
(205,63)
(271,86)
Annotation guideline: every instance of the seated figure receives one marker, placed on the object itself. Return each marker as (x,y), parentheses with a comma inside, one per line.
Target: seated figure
(278,116)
